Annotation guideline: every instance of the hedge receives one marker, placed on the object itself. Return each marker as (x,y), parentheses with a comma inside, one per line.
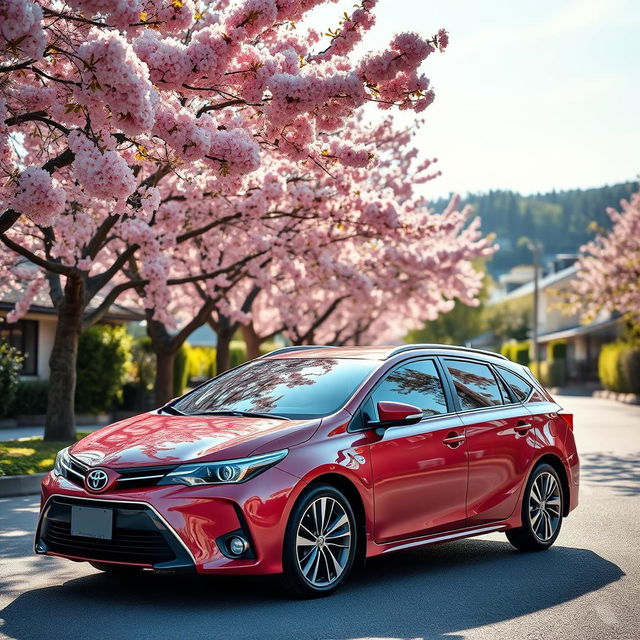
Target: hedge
(31,398)
(517,351)
(551,373)
(104,356)
(619,367)
(10,366)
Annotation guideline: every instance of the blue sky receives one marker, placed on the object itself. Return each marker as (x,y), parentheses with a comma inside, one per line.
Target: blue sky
(531,95)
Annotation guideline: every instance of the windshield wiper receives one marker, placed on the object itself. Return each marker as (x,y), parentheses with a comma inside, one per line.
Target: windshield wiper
(242,414)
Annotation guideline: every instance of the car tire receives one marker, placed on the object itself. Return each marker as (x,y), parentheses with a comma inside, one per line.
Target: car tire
(320,543)
(542,509)
(116,569)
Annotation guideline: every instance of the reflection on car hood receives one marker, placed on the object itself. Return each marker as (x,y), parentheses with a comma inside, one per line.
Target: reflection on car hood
(155,439)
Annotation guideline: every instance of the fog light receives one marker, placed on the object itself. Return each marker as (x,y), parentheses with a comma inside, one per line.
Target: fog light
(237,545)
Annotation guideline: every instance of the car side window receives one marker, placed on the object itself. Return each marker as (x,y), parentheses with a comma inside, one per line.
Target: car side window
(520,389)
(475,384)
(417,383)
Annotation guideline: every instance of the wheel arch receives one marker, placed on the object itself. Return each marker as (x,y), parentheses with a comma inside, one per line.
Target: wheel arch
(349,489)
(555,462)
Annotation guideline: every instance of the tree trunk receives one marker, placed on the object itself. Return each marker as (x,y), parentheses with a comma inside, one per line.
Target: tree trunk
(223,353)
(163,388)
(61,423)
(165,353)
(251,340)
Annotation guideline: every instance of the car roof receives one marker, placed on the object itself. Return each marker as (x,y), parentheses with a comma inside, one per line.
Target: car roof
(372,352)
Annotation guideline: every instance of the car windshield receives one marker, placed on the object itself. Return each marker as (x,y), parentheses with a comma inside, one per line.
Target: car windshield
(296,388)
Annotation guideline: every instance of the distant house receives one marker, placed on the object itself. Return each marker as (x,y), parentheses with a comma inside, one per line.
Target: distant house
(584,341)
(33,335)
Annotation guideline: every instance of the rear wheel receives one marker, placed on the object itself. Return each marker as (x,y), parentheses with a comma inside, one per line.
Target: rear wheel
(320,543)
(116,569)
(542,508)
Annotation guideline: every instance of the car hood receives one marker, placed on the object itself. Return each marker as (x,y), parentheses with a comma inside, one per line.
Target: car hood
(156,439)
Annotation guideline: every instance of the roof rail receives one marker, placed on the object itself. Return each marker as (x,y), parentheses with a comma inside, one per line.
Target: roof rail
(300,347)
(411,347)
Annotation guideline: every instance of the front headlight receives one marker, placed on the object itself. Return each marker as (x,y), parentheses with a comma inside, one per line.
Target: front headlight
(62,460)
(224,472)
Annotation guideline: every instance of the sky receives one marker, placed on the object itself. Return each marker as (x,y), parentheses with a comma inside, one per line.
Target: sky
(531,95)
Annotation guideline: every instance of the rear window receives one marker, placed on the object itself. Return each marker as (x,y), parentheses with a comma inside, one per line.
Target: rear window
(516,384)
(288,387)
(475,384)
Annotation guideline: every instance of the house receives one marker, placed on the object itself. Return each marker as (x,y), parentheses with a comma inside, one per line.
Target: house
(555,322)
(34,334)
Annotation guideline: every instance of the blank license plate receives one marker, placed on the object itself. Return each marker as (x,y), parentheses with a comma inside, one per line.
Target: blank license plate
(91,522)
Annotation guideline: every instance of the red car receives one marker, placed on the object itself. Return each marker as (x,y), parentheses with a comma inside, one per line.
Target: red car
(308,460)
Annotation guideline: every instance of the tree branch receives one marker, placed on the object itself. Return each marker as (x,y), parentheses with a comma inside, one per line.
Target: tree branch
(48,265)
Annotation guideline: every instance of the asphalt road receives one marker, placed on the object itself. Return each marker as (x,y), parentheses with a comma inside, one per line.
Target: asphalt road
(587,586)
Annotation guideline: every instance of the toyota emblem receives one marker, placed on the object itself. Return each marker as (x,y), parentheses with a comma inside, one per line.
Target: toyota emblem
(97,480)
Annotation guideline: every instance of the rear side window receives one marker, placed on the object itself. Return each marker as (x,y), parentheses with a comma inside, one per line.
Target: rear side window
(518,386)
(416,383)
(475,384)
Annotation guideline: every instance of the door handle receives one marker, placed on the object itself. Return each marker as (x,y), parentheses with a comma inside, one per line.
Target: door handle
(523,427)
(453,440)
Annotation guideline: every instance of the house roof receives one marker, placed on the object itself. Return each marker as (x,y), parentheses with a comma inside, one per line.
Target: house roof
(580,330)
(42,304)
(544,283)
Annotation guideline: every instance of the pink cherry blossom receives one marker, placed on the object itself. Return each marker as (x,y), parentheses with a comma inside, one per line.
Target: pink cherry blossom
(21,30)
(37,197)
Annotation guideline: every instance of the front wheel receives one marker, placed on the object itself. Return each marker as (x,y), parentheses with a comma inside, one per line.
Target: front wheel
(320,543)
(542,508)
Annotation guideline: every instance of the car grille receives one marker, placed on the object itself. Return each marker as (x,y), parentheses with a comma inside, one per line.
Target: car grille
(139,535)
(132,478)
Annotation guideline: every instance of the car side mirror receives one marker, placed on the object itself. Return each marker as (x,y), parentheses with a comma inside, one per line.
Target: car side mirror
(395,414)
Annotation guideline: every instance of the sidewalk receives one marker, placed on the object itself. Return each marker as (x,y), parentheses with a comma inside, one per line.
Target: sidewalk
(16,433)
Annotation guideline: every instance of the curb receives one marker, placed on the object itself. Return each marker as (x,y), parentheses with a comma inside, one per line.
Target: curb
(626,398)
(25,485)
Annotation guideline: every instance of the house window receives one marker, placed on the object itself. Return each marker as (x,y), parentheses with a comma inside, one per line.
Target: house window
(23,335)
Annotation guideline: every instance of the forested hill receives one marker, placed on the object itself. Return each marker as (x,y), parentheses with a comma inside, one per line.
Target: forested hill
(560,219)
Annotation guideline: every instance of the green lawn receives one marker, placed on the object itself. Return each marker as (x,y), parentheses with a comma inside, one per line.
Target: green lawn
(29,456)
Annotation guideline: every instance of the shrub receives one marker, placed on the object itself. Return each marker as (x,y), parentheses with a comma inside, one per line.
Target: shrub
(557,350)
(516,352)
(31,398)
(630,368)
(521,353)
(202,361)
(609,366)
(104,354)
(10,366)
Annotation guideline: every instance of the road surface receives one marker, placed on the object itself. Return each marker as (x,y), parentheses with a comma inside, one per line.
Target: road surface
(587,586)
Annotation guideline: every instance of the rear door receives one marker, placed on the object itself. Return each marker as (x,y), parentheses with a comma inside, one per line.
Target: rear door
(420,470)
(499,440)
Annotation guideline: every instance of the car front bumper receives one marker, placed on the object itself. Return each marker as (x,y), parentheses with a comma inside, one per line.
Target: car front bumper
(175,526)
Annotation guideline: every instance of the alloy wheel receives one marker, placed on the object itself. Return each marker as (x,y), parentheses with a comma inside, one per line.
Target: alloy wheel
(545,504)
(323,541)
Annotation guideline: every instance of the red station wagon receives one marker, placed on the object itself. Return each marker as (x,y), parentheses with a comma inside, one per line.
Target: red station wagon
(308,460)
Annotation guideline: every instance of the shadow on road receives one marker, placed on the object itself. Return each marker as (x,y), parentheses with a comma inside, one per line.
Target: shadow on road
(432,593)
(620,473)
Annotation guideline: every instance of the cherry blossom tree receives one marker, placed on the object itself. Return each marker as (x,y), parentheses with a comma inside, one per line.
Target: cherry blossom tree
(109,110)
(608,277)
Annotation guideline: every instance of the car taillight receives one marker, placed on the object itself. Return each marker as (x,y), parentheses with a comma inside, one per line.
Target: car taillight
(568,418)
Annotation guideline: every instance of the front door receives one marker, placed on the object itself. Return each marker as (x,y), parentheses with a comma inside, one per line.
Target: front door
(419,470)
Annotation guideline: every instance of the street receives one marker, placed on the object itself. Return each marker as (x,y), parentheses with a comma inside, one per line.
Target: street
(586,586)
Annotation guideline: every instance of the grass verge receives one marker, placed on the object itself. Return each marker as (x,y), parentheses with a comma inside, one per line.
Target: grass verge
(18,457)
